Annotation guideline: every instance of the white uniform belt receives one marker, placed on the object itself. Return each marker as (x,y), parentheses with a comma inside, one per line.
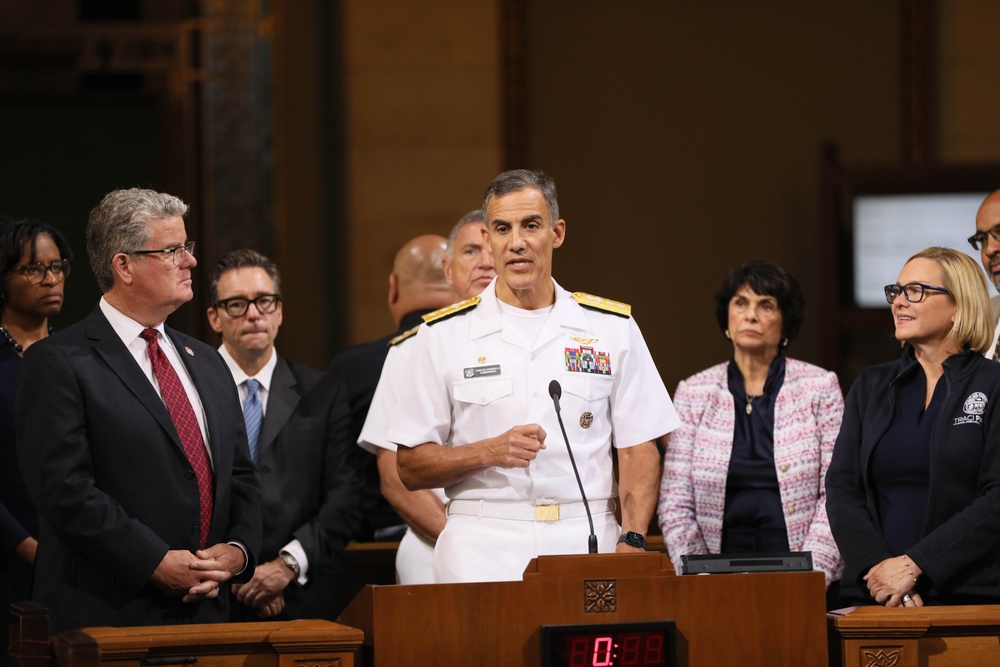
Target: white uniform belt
(496,509)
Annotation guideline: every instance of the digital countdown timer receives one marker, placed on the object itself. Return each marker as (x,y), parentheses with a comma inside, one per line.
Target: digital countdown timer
(647,644)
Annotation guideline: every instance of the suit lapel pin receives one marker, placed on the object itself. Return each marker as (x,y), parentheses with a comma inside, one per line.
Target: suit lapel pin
(189,351)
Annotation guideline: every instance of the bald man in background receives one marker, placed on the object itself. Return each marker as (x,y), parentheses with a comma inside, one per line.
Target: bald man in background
(417,286)
(987,241)
(468,268)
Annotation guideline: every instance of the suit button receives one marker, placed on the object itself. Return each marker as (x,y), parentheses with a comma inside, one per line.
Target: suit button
(189,474)
(195,529)
(265,469)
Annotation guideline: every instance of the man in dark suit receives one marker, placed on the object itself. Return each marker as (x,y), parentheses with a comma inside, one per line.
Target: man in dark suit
(131,441)
(297,425)
(417,286)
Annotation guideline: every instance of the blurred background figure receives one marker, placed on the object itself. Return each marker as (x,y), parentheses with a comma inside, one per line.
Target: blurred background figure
(911,536)
(744,472)
(416,286)
(468,268)
(35,260)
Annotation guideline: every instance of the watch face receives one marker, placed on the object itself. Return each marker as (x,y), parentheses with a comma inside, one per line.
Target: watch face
(635,540)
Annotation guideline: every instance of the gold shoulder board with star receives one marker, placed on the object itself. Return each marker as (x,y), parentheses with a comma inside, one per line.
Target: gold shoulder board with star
(600,303)
(442,314)
(403,336)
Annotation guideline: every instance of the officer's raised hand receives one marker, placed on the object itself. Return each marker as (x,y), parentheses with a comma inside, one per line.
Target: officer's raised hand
(517,447)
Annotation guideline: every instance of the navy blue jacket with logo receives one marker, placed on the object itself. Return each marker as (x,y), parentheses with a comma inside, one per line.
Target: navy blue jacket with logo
(959,552)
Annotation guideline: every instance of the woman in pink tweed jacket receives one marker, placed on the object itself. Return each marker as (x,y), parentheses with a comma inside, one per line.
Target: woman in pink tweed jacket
(710,487)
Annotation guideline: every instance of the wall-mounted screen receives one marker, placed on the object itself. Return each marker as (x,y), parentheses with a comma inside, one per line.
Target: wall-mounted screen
(888,229)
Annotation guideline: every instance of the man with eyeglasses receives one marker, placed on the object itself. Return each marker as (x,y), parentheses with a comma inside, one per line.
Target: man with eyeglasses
(297,426)
(131,441)
(987,241)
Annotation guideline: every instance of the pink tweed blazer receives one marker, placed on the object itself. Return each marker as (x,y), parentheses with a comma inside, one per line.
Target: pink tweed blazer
(807,414)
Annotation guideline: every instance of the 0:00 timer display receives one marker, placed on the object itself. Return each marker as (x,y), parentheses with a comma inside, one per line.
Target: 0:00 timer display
(611,645)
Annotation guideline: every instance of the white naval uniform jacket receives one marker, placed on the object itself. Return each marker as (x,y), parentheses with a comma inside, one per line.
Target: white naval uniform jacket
(474,376)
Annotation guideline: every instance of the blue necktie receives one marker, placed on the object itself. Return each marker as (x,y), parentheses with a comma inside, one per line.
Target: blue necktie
(253,413)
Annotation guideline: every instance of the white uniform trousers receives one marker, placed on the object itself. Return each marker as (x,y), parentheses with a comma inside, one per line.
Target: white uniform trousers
(414,560)
(479,548)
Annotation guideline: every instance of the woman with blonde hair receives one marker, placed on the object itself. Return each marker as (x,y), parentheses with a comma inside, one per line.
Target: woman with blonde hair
(913,491)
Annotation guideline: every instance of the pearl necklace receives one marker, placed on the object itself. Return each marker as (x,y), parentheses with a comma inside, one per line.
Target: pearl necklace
(13,343)
(10,339)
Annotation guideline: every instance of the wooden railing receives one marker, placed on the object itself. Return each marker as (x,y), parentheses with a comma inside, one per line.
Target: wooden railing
(305,643)
(915,636)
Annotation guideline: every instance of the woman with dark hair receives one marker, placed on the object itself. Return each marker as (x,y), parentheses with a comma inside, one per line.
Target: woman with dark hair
(34,262)
(744,472)
(913,491)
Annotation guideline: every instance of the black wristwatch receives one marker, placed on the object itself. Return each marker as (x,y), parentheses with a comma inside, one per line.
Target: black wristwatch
(637,540)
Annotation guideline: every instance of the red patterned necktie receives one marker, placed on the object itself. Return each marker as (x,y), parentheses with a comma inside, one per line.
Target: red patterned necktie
(182,415)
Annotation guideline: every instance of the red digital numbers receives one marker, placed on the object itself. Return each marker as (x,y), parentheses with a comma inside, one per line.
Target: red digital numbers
(579,651)
(641,648)
(602,652)
(633,649)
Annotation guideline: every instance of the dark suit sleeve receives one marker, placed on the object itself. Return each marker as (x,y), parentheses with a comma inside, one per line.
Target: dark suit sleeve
(12,533)
(339,515)
(244,517)
(858,537)
(57,466)
(221,401)
(967,477)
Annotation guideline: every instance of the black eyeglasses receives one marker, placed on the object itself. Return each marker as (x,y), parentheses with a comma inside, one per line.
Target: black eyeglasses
(978,240)
(178,254)
(914,292)
(35,271)
(238,306)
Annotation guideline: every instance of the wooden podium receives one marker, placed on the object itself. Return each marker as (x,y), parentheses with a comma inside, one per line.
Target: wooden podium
(915,636)
(721,619)
(304,643)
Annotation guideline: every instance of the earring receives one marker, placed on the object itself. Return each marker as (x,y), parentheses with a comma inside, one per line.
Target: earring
(784,343)
(727,334)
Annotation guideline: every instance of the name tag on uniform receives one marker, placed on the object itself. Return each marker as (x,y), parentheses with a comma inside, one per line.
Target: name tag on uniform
(482,371)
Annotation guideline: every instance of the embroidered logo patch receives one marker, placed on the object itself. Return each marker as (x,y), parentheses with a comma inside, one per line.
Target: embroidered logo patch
(974,407)
(584,359)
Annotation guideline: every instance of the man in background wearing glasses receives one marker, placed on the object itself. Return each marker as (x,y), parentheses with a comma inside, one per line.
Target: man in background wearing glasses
(987,241)
(132,443)
(298,427)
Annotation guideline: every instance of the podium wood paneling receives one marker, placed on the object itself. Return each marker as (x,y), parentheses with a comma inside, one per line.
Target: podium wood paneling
(915,636)
(305,643)
(726,619)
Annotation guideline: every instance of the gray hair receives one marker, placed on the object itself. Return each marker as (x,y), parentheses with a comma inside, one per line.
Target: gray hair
(120,223)
(516,180)
(467,219)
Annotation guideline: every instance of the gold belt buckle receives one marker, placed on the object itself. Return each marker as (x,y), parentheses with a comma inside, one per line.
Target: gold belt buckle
(546,512)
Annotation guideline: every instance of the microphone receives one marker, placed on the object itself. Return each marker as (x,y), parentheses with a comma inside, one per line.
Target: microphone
(555,391)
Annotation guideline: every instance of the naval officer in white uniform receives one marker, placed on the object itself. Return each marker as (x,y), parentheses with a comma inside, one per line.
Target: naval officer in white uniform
(477,418)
